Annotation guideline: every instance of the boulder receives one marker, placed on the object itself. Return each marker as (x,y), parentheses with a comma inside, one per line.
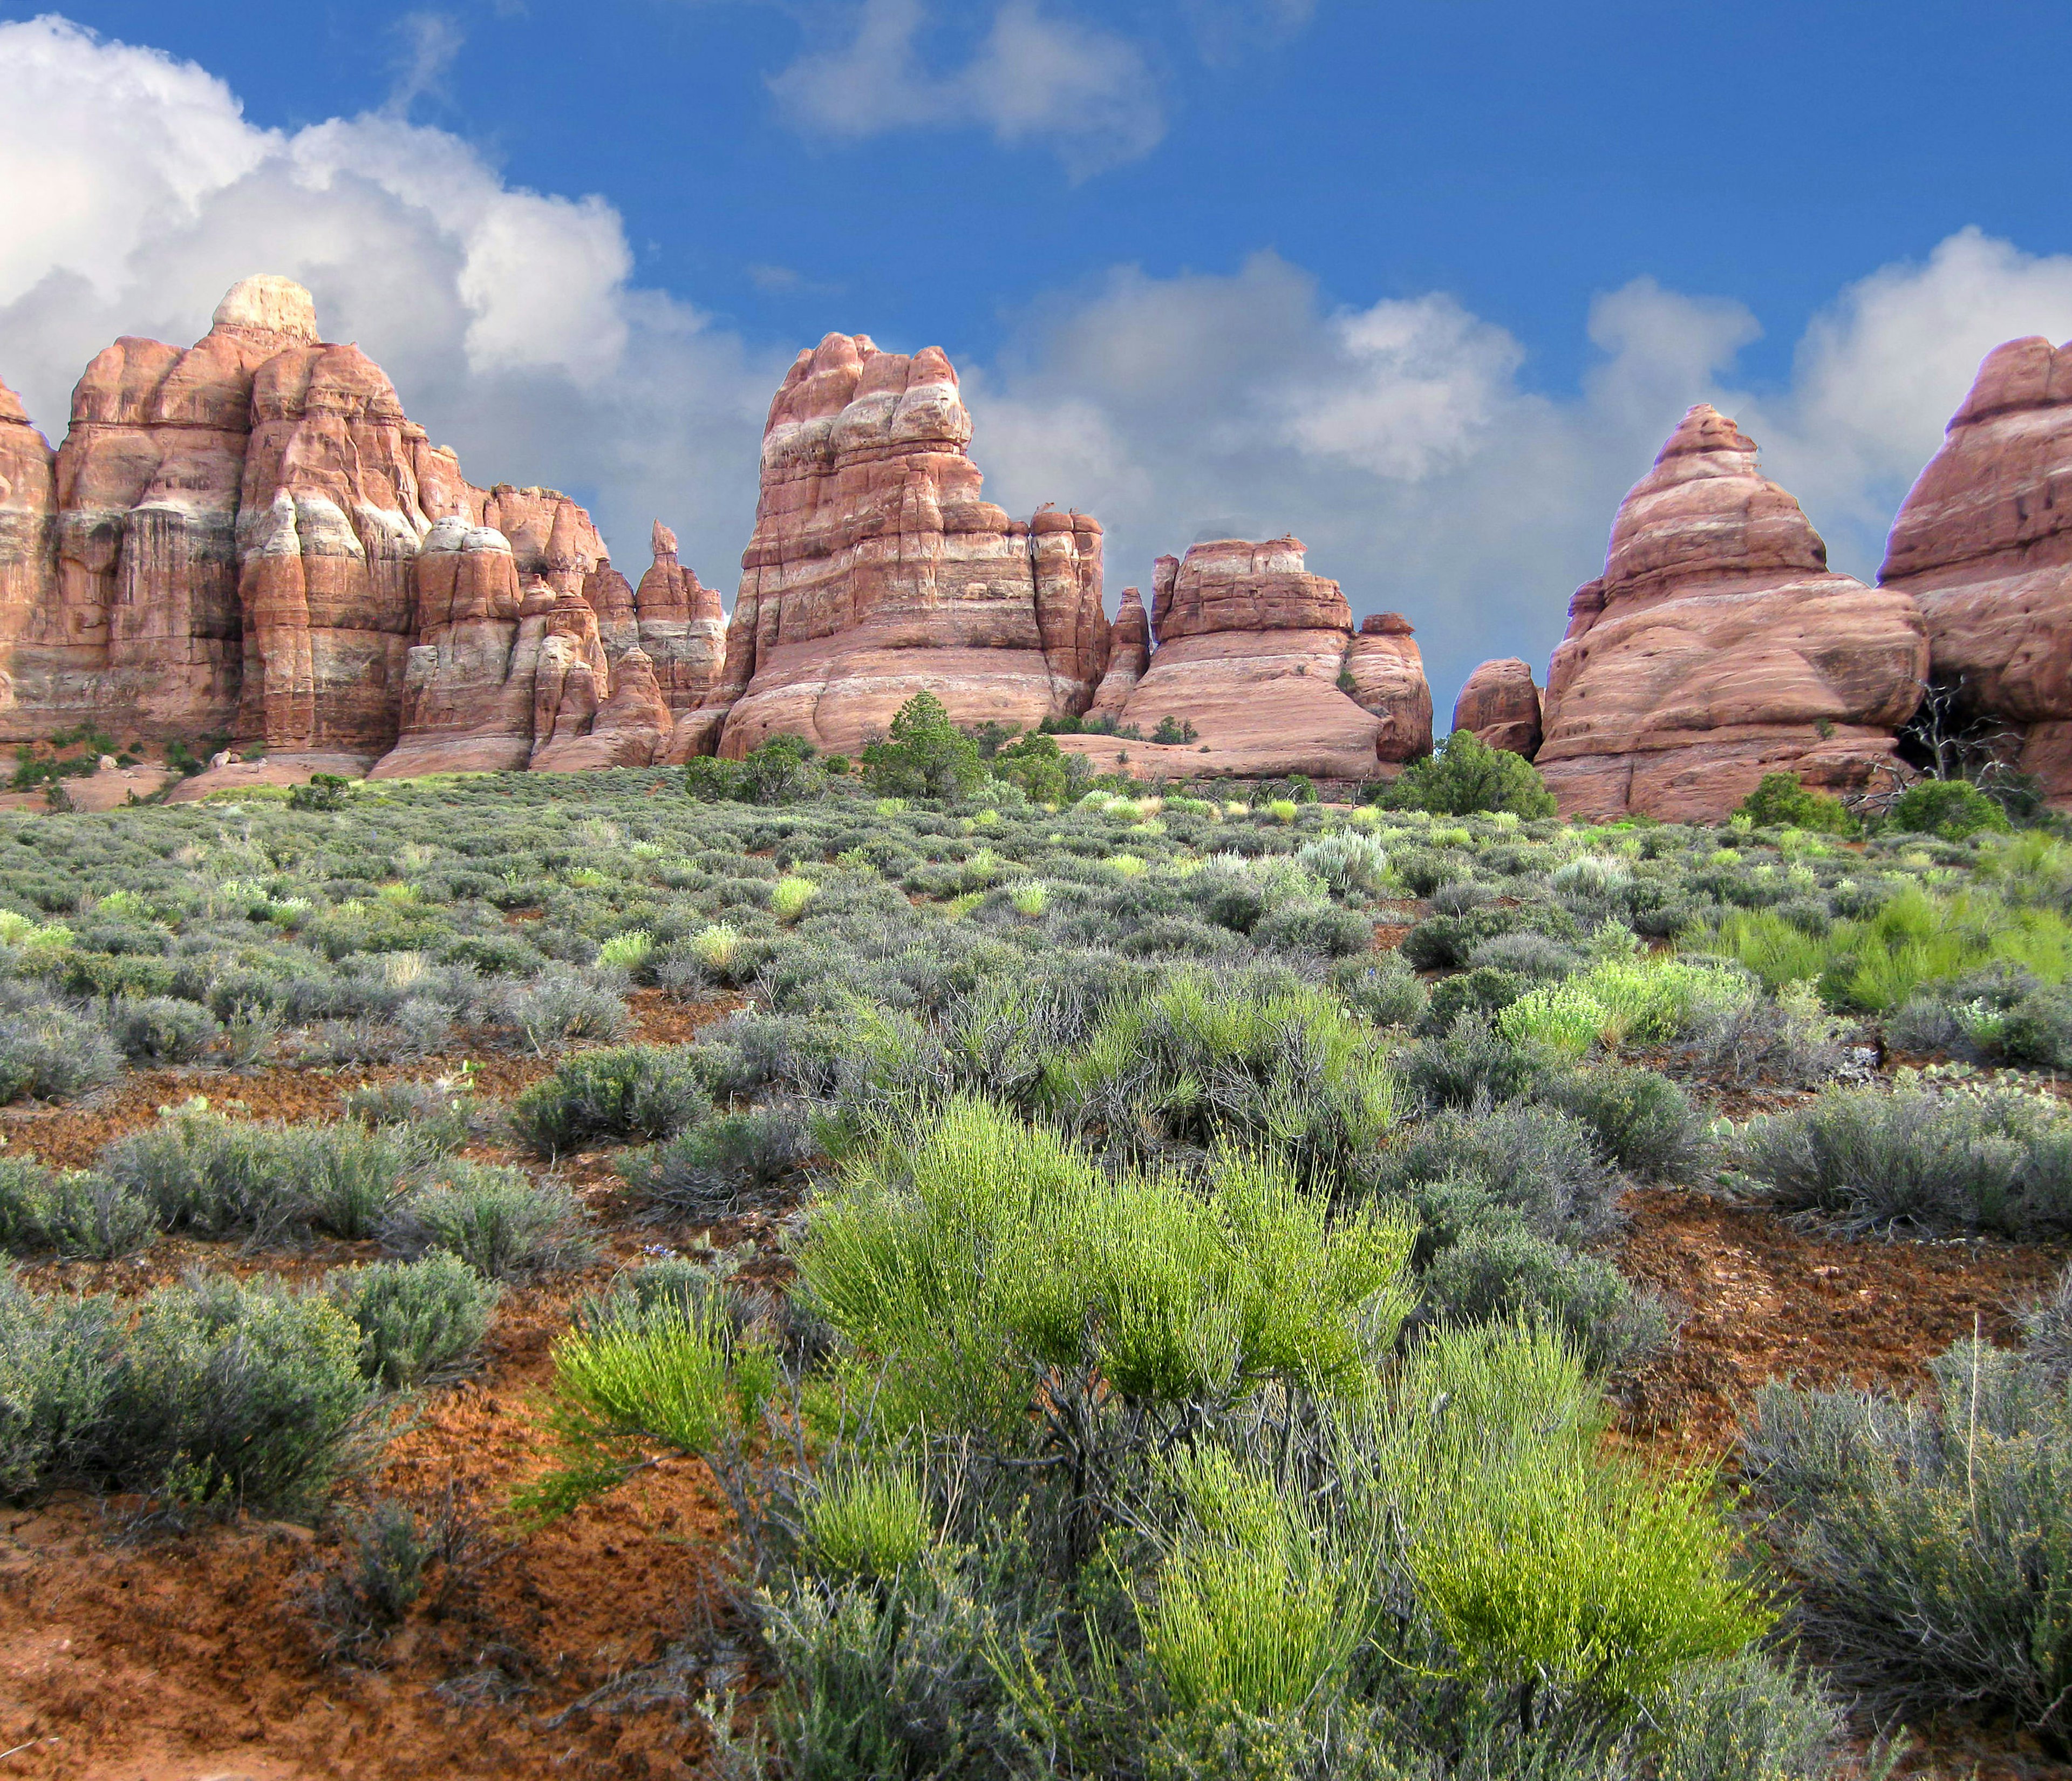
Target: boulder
(1255,653)
(1983,543)
(1500,703)
(1718,647)
(876,571)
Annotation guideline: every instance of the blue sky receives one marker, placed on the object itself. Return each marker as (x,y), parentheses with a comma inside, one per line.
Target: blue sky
(1424,283)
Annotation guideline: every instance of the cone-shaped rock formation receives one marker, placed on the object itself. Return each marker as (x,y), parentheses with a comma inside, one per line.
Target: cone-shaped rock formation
(1718,647)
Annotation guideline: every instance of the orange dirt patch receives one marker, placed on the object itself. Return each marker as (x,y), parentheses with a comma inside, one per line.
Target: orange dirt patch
(1762,1298)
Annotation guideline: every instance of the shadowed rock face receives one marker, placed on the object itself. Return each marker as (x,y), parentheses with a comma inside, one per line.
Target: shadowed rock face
(1259,656)
(876,571)
(1717,648)
(250,536)
(1983,543)
(1500,703)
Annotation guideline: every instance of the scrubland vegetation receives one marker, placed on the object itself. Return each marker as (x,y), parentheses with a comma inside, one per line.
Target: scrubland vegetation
(1187,1333)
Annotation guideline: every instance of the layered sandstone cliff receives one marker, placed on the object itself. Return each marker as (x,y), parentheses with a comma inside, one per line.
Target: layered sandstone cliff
(249,538)
(876,571)
(1718,647)
(1500,703)
(1260,657)
(1983,543)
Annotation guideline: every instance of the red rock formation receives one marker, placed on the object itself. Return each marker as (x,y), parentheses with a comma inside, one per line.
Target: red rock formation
(876,571)
(1385,670)
(28,531)
(1128,655)
(1253,650)
(1500,703)
(1718,647)
(1983,543)
(681,627)
(329,527)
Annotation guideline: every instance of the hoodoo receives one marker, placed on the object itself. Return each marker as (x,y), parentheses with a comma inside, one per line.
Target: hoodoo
(1983,543)
(1718,647)
(875,572)
(1259,659)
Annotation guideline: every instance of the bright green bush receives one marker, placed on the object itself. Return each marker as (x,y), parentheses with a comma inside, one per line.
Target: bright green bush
(977,1253)
(1951,809)
(1781,802)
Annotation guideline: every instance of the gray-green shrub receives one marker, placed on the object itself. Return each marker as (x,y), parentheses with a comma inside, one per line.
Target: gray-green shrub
(417,1320)
(610,1095)
(498,1221)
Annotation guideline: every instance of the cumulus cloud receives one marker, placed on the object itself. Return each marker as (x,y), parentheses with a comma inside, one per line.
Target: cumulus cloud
(1402,443)
(134,192)
(1037,76)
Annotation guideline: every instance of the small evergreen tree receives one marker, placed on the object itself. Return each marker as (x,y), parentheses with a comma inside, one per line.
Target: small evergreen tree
(1952,808)
(1463,776)
(925,756)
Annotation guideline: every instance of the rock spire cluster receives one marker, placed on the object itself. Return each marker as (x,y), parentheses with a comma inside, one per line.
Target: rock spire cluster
(249,539)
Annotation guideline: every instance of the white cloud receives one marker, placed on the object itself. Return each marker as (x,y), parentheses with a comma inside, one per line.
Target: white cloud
(132,193)
(1402,443)
(1037,76)
(431,41)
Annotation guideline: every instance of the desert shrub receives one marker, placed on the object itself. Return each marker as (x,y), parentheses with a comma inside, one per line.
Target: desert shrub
(1380,988)
(558,1007)
(1932,1538)
(53,1055)
(1533,1159)
(1446,942)
(2046,1323)
(1471,1063)
(1995,1159)
(57,1362)
(973,1257)
(1316,927)
(1345,861)
(1951,809)
(87,1215)
(417,1319)
(159,1029)
(1781,802)
(498,1221)
(438,1115)
(720,1167)
(610,1095)
(1199,1062)
(25,1187)
(1788,1039)
(1525,955)
(708,780)
(218,1177)
(1500,1270)
(231,1395)
(1464,776)
(1479,993)
(1641,1120)
(924,754)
